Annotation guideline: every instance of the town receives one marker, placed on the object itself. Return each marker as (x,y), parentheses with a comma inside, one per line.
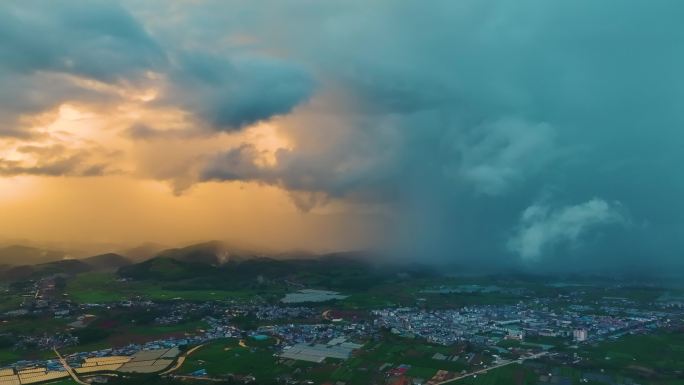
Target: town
(539,334)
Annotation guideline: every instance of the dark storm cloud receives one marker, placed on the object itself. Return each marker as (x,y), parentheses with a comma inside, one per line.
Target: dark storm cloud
(467,116)
(98,40)
(492,131)
(231,93)
(101,40)
(365,164)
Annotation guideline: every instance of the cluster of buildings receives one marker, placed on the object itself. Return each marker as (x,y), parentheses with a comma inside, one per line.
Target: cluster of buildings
(489,324)
(305,332)
(42,297)
(274,312)
(43,341)
(308,342)
(313,333)
(476,289)
(151,358)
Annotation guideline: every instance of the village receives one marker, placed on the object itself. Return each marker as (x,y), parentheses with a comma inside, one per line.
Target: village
(489,336)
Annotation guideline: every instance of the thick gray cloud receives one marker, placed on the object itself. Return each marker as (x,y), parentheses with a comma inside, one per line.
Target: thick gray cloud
(457,117)
(460,116)
(100,40)
(231,93)
(502,153)
(40,42)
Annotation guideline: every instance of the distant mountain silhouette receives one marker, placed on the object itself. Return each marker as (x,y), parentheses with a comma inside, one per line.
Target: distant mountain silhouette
(101,262)
(108,261)
(65,266)
(211,264)
(142,252)
(15,255)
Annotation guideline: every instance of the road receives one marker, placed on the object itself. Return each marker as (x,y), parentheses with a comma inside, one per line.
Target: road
(199,378)
(180,360)
(492,368)
(68,368)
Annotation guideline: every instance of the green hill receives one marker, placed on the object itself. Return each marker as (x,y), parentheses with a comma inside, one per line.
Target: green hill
(335,271)
(165,269)
(211,253)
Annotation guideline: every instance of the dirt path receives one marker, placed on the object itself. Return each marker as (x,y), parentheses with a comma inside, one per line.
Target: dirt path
(180,360)
(68,368)
(492,368)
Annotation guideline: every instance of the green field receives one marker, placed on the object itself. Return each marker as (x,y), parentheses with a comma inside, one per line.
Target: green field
(8,356)
(363,368)
(508,375)
(153,330)
(661,354)
(9,301)
(104,287)
(414,353)
(228,357)
(32,325)
(653,359)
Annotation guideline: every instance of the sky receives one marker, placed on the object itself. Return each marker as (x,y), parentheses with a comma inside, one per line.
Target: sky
(485,132)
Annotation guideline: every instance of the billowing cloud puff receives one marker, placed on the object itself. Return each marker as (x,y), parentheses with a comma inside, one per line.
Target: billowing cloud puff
(542,228)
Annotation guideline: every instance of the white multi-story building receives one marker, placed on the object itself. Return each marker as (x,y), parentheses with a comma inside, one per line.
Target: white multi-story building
(580,335)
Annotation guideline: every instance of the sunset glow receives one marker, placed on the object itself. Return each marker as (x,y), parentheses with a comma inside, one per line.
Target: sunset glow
(449,131)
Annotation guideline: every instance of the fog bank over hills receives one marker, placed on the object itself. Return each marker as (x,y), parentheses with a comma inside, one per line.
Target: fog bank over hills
(24,262)
(210,253)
